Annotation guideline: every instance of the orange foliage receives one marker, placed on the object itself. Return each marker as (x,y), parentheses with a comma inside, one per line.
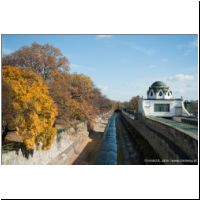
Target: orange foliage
(76,97)
(30,110)
(28,106)
(72,92)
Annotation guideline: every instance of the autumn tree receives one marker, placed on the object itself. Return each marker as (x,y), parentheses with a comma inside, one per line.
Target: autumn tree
(76,97)
(90,98)
(81,90)
(101,102)
(81,86)
(42,58)
(59,90)
(27,106)
(133,103)
(72,93)
(8,111)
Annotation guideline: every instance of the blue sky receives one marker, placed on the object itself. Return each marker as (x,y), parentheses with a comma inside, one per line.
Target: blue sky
(123,66)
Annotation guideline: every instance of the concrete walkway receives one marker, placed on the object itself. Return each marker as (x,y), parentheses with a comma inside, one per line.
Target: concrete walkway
(176,124)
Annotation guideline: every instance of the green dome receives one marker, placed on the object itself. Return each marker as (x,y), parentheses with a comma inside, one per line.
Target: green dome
(158,85)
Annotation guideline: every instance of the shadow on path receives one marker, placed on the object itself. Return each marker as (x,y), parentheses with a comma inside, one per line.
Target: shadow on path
(88,154)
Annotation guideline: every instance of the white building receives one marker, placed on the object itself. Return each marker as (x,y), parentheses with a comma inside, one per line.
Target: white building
(160,102)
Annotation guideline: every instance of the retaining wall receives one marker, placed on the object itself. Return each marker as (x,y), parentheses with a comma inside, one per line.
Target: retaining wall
(67,141)
(169,142)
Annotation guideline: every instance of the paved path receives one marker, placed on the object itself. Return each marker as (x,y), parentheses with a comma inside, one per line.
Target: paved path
(180,125)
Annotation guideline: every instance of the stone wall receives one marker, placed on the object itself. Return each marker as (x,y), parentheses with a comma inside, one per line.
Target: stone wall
(186,141)
(66,141)
(170,143)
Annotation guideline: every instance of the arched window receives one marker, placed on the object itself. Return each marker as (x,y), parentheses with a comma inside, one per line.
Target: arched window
(160,93)
(151,94)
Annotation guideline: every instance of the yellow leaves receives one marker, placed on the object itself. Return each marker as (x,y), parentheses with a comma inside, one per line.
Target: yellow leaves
(37,106)
(16,106)
(47,137)
(34,111)
(29,142)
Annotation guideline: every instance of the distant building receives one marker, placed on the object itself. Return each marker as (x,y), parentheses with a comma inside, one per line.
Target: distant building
(160,102)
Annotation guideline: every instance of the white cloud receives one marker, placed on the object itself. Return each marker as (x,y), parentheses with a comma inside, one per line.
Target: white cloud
(103,36)
(185,90)
(179,91)
(191,85)
(185,85)
(181,77)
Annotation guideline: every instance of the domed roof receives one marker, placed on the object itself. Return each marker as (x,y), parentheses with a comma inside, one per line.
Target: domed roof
(158,85)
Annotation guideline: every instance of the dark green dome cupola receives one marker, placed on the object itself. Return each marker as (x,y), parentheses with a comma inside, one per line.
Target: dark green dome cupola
(159,90)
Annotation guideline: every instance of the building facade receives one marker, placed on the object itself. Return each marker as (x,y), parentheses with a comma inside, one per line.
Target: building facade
(160,102)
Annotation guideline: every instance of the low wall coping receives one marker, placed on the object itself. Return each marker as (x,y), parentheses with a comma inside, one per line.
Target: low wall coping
(178,129)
